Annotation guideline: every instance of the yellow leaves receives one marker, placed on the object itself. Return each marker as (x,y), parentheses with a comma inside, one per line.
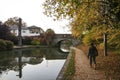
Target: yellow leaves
(85,14)
(76,32)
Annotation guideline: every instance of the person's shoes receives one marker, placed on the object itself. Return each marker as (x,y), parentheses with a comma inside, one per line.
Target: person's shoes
(95,66)
(90,66)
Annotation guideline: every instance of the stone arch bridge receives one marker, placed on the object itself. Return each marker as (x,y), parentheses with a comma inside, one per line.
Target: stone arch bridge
(58,38)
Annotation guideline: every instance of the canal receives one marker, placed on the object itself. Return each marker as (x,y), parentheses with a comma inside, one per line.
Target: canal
(31,64)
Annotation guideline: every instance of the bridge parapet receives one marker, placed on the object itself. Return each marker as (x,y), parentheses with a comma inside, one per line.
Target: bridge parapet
(62,36)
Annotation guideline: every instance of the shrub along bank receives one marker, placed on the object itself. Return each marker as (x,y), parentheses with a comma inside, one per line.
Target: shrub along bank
(6,45)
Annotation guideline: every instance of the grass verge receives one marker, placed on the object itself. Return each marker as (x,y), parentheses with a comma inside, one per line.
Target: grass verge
(70,70)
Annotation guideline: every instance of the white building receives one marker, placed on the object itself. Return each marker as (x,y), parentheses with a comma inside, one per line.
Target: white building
(27,31)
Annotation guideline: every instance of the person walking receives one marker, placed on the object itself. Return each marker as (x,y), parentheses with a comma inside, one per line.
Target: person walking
(92,53)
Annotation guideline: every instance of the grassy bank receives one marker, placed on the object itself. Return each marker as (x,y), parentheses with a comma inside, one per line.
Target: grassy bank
(110,64)
(70,70)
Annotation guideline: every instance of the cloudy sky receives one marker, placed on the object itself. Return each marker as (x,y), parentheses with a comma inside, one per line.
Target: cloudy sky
(31,11)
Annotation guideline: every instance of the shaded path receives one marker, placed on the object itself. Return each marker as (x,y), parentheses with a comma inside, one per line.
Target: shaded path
(83,70)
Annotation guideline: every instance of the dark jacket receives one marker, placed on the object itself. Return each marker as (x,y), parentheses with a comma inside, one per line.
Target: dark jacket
(92,51)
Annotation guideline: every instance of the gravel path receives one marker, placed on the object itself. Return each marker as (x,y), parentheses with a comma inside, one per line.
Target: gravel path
(83,71)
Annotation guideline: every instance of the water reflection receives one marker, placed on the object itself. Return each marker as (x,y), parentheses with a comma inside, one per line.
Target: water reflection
(20,63)
(65,46)
(31,64)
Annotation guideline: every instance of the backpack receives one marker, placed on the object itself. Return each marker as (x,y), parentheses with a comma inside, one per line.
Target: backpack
(94,51)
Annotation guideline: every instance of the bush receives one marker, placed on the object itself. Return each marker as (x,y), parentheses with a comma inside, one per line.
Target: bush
(14,39)
(2,45)
(6,45)
(35,41)
(9,45)
(43,41)
(26,40)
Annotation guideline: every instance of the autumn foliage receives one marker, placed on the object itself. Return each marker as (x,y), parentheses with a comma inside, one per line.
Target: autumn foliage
(89,19)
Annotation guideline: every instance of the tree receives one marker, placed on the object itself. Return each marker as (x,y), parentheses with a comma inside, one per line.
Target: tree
(100,16)
(14,22)
(49,36)
(85,13)
(4,32)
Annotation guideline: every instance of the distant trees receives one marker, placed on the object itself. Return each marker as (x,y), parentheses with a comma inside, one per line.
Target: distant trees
(42,39)
(45,38)
(49,36)
(6,35)
(4,32)
(14,22)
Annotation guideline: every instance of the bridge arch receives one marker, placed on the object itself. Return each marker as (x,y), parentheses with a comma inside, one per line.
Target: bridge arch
(62,40)
(64,45)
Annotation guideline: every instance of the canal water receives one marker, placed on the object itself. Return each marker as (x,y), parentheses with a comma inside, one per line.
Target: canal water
(31,64)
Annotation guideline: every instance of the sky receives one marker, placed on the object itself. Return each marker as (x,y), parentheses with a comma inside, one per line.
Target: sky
(31,12)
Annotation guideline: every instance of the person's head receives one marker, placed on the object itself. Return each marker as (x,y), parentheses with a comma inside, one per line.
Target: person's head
(92,44)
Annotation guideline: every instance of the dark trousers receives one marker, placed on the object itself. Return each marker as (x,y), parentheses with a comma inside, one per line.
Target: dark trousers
(92,59)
